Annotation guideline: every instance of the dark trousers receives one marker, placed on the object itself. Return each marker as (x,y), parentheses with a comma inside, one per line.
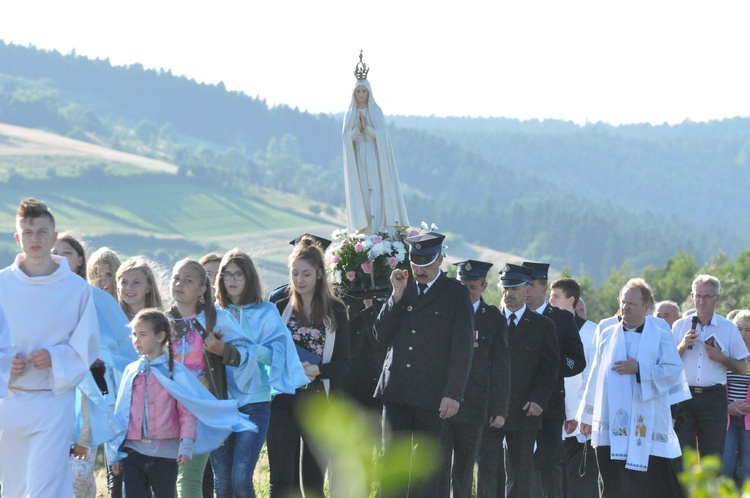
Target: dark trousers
(114,482)
(580,458)
(142,475)
(411,422)
(505,473)
(548,457)
(458,473)
(701,422)
(660,480)
(289,453)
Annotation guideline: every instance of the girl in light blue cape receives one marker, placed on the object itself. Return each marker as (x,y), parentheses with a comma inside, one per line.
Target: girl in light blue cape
(238,291)
(216,419)
(279,369)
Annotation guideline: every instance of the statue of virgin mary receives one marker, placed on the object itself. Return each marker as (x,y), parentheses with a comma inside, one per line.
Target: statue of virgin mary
(374,202)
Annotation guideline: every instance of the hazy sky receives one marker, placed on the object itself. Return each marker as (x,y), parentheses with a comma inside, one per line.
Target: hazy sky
(614,61)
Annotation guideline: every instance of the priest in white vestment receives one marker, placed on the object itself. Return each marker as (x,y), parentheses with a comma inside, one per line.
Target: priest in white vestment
(51,339)
(635,376)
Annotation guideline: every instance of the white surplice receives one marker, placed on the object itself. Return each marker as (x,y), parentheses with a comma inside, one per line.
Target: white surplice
(631,417)
(53,312)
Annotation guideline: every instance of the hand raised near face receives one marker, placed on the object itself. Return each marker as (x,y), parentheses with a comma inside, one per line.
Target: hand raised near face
(399,279)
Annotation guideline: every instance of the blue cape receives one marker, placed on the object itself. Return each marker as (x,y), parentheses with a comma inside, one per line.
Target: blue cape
(245,377)
(104,425)
(262,323)
(217,419)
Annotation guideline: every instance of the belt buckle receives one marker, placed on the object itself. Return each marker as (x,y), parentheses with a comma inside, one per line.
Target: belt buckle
(698,390)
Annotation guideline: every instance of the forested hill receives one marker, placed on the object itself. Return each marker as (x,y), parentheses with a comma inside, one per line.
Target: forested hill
(592,197)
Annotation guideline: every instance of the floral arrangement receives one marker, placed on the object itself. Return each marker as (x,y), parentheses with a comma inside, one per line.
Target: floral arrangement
(362,264)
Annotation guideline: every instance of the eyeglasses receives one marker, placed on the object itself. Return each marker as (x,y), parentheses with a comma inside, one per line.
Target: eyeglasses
(699,297)
(236,276)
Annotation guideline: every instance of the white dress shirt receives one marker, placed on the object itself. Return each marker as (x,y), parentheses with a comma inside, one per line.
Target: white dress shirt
(700,370)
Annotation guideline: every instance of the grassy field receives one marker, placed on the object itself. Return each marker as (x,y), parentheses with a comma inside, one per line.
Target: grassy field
(167,219)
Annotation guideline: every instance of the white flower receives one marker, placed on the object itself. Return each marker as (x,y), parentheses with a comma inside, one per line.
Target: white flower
(433,227)
(335,277)
(378,250)
(424,225)
(400,252)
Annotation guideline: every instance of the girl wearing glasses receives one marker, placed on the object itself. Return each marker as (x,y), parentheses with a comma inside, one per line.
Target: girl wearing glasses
(239,292)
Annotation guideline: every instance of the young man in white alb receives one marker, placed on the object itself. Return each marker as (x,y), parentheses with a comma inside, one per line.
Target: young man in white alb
(51,339)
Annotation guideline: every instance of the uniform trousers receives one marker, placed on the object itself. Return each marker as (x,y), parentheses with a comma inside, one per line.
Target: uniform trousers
(36,429)
(406,421)
(458,473)
(505,473)
(548,459)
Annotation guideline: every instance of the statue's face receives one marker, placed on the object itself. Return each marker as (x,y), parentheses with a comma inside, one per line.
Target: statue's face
(361,95)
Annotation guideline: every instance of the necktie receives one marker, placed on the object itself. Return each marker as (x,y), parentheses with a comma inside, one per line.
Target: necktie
(512,322)
(422,289)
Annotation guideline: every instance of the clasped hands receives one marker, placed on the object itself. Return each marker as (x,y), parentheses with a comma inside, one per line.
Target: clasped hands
(39,359)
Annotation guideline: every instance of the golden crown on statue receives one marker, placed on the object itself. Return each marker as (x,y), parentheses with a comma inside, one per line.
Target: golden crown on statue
(361,69)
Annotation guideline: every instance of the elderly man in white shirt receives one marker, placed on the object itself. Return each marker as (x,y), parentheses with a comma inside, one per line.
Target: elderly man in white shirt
(709,345)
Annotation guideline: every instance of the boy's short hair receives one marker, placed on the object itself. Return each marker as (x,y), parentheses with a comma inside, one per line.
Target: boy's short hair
(569,287)
(31,208)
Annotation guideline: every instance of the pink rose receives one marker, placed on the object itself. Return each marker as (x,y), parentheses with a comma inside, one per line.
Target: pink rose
(314,333)
(366,267)
(377,239)
(359,247)
(413,232)
(350,276)
(335,259)
(319,351)
(392,262)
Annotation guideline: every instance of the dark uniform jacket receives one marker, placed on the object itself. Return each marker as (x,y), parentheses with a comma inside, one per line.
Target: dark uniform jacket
(488,389)
(367,356)
(572,358)
(534,365)
(431,341)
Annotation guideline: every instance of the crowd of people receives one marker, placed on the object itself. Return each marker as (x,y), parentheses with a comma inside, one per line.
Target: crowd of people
(535,397)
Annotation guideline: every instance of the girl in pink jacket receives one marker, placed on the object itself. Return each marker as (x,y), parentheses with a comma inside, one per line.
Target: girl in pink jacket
(159,427)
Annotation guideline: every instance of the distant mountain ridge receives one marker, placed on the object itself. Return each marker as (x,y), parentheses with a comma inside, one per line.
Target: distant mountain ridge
(590,197)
